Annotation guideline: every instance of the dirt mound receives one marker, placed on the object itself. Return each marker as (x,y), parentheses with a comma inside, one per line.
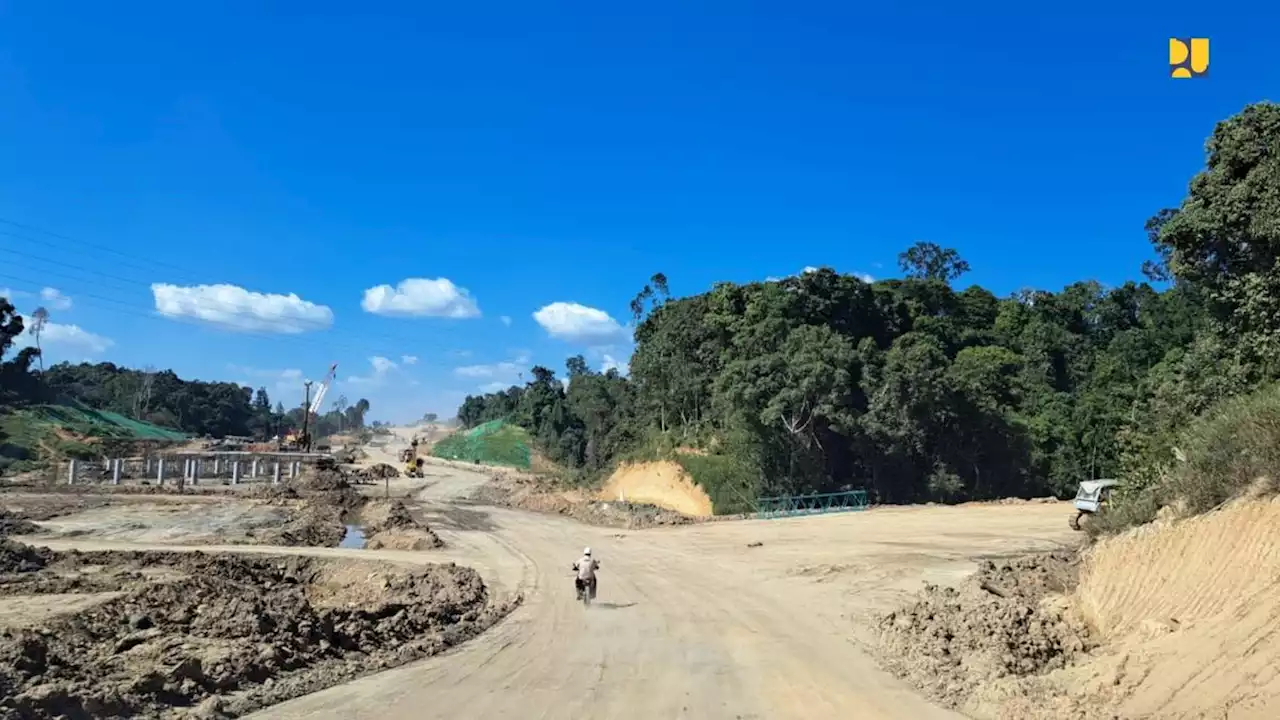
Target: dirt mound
(233,634)
(391,526)
(19,558)
(525,492)
(1008,619)
(663,484)
(373,473)
(15,524)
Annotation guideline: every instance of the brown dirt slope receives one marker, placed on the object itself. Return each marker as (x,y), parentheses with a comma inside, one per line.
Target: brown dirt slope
(1177,619)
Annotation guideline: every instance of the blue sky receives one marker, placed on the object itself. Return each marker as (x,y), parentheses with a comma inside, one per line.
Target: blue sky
(558,154)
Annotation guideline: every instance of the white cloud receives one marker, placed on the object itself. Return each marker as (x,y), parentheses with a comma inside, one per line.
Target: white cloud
(381,368)
(864,277)
(506,320)
(501,374)
(65,339)
(420,297)
(610,363)
(234,308)
(54,299)
(279,382)
(503,369)
(579,323)
(409,359)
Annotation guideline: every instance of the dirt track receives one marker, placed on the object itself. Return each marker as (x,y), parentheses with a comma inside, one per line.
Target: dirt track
(690,622)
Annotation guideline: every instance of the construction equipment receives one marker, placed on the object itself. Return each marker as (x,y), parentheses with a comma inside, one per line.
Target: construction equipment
(1091,499)
(413,467)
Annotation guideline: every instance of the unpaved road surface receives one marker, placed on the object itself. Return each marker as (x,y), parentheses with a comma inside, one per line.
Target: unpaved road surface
(750,619)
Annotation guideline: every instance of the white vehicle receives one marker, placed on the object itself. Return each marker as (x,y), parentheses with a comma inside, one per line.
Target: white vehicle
(1091,498)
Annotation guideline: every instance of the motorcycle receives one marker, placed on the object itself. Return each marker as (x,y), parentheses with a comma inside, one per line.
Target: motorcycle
(585,590)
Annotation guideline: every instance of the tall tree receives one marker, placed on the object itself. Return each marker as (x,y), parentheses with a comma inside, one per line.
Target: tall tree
(929,261)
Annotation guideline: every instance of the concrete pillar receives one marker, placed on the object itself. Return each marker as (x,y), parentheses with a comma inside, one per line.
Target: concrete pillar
(217,466)
(253,469)
(115,471)
(275,477)
(160,471)
(195,471)
(71,472)
(235,472)
(293,469)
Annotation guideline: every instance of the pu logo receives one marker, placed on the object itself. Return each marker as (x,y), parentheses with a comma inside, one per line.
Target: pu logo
(1188,57)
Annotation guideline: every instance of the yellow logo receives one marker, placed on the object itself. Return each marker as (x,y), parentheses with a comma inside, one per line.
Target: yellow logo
(1188,57)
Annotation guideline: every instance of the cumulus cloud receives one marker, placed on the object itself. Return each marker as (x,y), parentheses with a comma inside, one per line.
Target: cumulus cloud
(421,297)
(579,323)
(234,308)
(864,277)
(277,380)
(409,359)
(54,299)
(381,368)
(501,375)
(609,362)
(506,320)
(64,339)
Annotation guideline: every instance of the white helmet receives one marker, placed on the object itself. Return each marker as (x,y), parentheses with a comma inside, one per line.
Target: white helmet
(586,551)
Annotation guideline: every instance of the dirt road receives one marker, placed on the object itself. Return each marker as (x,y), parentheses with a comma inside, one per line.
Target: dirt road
(690,622)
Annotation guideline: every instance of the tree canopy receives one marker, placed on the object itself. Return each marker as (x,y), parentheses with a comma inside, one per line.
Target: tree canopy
(916,390)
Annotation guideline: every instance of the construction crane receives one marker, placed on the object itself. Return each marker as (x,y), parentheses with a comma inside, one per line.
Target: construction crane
(314,408)
(302,441)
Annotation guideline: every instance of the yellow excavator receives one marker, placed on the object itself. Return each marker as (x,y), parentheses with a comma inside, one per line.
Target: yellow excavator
(412,463)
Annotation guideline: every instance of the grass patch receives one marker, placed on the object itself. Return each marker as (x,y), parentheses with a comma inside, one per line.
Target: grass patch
(728,481)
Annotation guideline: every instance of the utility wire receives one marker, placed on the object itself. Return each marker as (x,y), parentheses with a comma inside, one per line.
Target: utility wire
(131,282)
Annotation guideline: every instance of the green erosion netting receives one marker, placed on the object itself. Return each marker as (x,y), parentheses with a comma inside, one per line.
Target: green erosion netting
(100,423)
(491,443)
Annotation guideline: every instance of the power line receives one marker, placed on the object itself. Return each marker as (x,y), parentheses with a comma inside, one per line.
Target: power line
(85,243)
(134,311)
(131,282)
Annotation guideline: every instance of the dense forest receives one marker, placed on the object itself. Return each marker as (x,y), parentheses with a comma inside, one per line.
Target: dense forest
(918,391)
(217,409)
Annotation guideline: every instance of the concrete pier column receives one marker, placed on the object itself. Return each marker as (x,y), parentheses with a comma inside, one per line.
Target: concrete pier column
(253,469)
(195,471)
(235,472)
(115,471)
(71,472)
(159,471)
(275,477)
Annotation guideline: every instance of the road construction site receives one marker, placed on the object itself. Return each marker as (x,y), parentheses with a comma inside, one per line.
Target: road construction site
(456,600)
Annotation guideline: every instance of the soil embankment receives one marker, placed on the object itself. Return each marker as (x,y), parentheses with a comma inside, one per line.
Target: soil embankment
(661,483)
(526,492)
(1176,619)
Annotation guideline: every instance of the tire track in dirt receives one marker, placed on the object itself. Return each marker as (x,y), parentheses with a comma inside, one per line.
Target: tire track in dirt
(690,623)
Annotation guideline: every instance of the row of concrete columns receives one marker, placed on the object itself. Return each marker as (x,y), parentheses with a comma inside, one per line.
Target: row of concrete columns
(192,467)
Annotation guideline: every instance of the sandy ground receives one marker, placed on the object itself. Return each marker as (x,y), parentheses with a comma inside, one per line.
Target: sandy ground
(750,619)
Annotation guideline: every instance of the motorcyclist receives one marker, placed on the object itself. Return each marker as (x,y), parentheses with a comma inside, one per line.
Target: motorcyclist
(585,580)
